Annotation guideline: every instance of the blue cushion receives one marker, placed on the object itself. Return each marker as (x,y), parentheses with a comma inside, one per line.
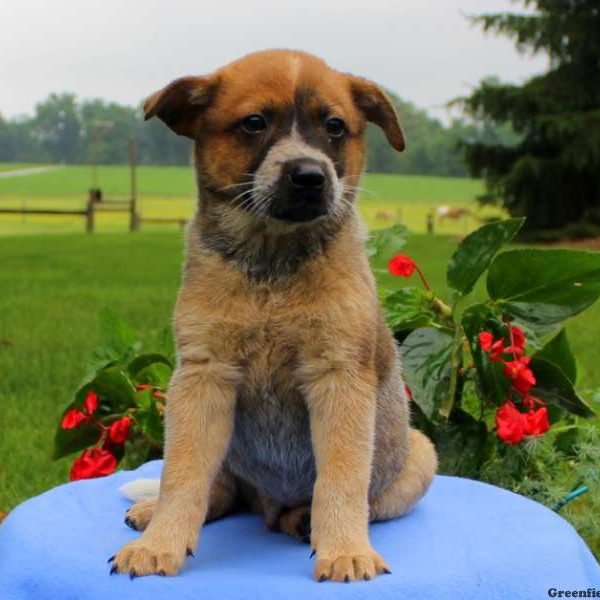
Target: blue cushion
(464,540)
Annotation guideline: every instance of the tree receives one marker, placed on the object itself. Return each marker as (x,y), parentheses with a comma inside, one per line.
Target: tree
(57,127)
(7,143)
(551,171)
(431,147)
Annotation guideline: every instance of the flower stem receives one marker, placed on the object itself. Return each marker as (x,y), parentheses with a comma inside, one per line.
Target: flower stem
(423,279)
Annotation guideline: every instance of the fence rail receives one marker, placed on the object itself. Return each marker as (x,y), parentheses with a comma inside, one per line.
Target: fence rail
(96,202)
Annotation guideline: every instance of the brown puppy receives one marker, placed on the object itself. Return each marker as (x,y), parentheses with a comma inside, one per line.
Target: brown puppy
(287,397)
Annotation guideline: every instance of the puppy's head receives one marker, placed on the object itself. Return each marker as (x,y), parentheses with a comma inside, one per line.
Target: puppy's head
(279,135)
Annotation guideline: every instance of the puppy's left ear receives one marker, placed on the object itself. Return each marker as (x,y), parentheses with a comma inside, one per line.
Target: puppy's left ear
(180,103)
(377,107)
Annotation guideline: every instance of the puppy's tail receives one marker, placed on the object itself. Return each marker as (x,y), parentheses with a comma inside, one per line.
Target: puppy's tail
(141,489)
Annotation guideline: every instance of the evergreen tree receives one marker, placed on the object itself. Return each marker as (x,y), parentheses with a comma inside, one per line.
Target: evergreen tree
(552,173)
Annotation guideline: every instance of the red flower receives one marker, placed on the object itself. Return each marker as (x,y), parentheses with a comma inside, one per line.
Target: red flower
(402,265)
(140,387)
(521,375)
(494,347)
(91,403)
(510,423)
(73,418)
(497,350)
(118,431)
(486,339)
(408,392)
(94,462)
(530,401)
(536,421)
(517,337)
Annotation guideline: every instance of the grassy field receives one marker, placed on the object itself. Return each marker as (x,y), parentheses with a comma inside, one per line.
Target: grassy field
(170,192)
(53,288)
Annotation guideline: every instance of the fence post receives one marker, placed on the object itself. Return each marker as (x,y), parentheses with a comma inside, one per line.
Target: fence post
(134,218)
(89,213)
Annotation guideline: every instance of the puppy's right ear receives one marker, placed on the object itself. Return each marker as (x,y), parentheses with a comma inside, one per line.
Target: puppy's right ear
(180,103)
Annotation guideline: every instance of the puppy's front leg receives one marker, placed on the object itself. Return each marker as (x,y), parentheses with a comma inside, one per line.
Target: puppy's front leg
(199,421)
(342,420)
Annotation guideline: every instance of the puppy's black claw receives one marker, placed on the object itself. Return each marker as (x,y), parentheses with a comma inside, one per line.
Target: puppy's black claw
(313,553)
(130,523)
(189,553)
(347,579)
(113,569)
(132,574)
(322,578)
(162,573)
(387,571)
(111,559)
(367,577)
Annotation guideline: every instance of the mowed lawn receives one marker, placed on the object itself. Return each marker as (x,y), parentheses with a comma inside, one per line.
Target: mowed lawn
(170,192)
(52,289)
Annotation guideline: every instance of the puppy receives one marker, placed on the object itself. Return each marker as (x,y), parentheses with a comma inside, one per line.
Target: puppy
(287,397)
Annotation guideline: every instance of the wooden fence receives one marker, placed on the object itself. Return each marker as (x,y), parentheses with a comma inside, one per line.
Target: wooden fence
(96,203)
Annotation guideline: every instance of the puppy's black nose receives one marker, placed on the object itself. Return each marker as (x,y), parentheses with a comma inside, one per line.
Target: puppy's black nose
(307,175)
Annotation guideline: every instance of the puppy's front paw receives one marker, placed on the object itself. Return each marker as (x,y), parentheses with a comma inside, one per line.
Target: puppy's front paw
(349,567)
(148,557)
(139,515)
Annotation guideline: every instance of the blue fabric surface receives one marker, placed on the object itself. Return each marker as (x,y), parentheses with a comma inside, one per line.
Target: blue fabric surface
(464,540)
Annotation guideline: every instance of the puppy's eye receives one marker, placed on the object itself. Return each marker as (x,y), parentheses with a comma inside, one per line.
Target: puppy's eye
(335,127)
(253,124)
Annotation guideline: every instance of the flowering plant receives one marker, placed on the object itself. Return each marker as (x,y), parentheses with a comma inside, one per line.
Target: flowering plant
(117,413)
(488,376)
(484,377)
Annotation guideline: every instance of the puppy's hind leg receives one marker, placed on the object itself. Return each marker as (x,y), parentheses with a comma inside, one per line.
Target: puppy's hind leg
(296,522)
(411,483)
(223,500)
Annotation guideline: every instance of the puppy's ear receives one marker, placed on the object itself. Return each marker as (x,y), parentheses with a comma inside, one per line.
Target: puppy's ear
(180,103)
(377,107)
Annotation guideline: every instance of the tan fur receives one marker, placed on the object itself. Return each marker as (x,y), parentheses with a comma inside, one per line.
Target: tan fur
(318,336)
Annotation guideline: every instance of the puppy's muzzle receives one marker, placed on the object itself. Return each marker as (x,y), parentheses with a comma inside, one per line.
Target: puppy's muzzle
(303,193)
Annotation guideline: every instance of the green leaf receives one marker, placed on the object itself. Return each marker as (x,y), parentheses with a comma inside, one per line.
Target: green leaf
(426,358)
(114,388)
(115,333)
(544,287)
(148,418)
(408,308)
(554,387)
(153,369)
(386,242)
(119,342)
(67,441)
(492,385)
(558,351)
(462,445)
(156,374)
(475,253)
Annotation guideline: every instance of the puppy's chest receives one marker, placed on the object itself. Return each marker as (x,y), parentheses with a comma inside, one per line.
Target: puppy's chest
(271,445)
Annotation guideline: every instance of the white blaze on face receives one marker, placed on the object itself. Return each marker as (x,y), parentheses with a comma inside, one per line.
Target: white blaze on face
(292,147)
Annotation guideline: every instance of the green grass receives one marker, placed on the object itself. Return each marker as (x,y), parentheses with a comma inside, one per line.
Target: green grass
(170,192)
(53,288)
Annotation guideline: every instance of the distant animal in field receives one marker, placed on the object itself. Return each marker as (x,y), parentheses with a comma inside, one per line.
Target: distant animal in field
(453,212)
(384,215)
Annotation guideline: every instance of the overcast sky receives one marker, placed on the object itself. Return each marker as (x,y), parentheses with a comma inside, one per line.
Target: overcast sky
(424,50)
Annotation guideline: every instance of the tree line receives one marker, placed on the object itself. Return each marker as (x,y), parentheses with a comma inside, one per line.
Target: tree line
(551,172)
(63,129)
